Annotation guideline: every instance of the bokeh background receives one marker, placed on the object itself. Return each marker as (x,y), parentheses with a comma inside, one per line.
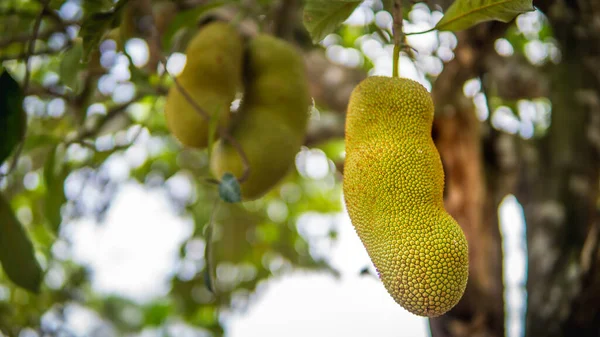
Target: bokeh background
(117,208)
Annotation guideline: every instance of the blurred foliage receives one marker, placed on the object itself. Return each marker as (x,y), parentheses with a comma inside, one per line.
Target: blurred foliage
(91,102)
(86,112)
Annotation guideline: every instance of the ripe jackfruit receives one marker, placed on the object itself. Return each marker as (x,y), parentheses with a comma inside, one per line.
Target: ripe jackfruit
(393,189)
(211,76)
(271,122)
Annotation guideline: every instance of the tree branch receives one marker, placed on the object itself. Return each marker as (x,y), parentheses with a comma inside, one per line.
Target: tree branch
(110,115)
(22,55)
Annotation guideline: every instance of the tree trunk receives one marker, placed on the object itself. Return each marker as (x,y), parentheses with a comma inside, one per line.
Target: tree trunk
(556,179)
(470,199)
(559,185)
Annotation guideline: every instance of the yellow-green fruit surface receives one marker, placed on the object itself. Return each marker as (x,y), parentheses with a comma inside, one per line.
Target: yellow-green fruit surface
(393,189)
(211,76)
(271,122)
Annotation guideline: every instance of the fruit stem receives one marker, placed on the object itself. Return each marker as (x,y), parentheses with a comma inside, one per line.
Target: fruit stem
(396,66)
(398,36)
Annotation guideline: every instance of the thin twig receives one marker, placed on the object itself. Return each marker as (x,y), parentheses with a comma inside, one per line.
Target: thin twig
(422,32)
(45,51)
(110,115)
(381,33)
(398,36)
(26,37)
(47,91)
(30,49)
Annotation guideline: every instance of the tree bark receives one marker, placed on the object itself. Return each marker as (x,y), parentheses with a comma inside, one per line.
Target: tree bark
(556,179)
(558,186)
(470,199)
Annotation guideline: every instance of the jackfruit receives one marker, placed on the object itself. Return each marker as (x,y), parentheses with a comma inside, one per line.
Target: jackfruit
(271,122)
(393,189)
(211,76)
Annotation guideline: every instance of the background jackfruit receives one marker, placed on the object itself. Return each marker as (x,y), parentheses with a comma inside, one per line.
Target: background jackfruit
(271,122)
(211,76)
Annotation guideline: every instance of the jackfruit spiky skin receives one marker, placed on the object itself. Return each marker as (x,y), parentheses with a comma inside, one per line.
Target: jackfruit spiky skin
(393,190)
(271,122)
(211,77)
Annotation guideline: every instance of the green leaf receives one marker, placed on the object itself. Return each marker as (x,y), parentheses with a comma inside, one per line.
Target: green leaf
(12,116)
(96,24)
(17,254)
(70,66)
(209,269)
(322,17)
(93,30)
(54,176)
(96,6)
(463,14)
(229,189)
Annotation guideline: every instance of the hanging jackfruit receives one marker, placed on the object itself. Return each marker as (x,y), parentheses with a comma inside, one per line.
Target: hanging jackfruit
(271,122)
(393,189)
(211,76)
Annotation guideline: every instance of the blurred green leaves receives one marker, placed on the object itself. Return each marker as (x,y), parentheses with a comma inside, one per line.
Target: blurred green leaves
(12,116)
(463,14)
(54,176)
(70,65)
(322,17)
(75,131)
(97,23)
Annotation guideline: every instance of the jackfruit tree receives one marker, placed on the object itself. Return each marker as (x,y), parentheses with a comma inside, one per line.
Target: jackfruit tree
(424,124)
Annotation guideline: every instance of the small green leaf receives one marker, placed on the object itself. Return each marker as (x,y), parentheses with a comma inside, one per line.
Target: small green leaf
(229,189)
(96,6)
(96,24)
(209,271)
(93,30)
(17,254)
(322,17)
(54,176)
(463,14)
(70,66)
(12,115)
